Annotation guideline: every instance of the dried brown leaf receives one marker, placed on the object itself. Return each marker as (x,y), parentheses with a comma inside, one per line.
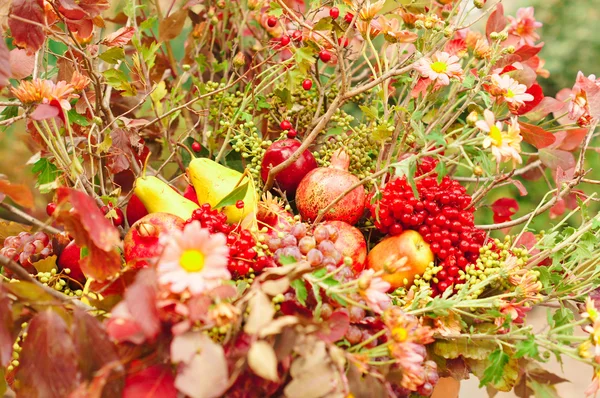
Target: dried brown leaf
(19,193)
(262,360)
(275,286)
(170,27)
(261,313)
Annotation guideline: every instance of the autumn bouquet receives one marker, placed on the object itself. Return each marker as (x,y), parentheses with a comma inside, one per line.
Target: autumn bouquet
(289,198)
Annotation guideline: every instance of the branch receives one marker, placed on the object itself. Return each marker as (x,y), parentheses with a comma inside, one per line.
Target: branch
(30,219)
(517,172)
(21,274)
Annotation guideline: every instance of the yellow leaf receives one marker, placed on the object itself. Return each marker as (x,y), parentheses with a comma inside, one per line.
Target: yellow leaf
(45,265)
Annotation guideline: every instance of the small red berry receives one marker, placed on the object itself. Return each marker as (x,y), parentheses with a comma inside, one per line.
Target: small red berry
(50,208)
(325,56)
(307,84)
(239,204)
(196,147)
(292,133)
(105,209)
(348,17)
(297,35)
(344,42)
(285,125)
(285,40)
(334,12)
(118,219)
(271,22)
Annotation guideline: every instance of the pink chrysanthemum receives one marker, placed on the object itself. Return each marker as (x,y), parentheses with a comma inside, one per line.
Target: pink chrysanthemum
(194,259)
(440,68)
(376,292)
(524,26)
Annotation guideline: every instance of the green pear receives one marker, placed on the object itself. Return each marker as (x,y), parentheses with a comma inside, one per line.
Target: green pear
(158,196)
(213,182)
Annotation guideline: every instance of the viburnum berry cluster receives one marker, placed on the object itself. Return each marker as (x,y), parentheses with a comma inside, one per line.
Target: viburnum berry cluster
(243,254)
(441,213)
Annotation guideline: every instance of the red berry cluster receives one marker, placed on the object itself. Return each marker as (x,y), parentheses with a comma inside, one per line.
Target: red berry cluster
(27,249)
(242,252)
(440,214)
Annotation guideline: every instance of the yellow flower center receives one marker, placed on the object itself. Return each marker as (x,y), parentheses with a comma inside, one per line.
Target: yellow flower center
(593,314)
(509,94)
(439,67)
(496,135)
(399,334)
(192,260)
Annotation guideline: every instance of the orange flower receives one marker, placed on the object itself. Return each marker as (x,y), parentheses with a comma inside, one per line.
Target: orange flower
(79,81)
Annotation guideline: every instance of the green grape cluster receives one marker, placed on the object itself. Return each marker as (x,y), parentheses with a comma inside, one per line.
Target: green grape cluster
(359,146)
(250,144)
(58,281)
(491,265)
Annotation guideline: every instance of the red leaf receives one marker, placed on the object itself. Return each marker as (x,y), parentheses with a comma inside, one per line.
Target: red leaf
(48,360)
(554,158)
(496,21)
(121,326)
(4,62)
(7,332)
(153,382)
(96,388)
(503,209)
(119,38)
(534,174)
(335,327)
(102,232)
(544,108)
(563,175)
(71,10)
(93,7)
(538,96)
(569,140)
(140,298)
(558,209)
(21,64)
(19,193)
(519,185)
(526,51)
(525,75)
(90,229)
(536,136)
(94,349)
(45,111)
(125,145)
(527,240)
(27,35)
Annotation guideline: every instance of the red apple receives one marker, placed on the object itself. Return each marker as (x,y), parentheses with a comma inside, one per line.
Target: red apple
(69,258)
(135,210)
(190,194)
(388,255)
(142,243)
(351,243)
(290,177)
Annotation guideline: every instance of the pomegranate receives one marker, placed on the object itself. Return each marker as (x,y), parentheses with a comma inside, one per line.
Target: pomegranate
(351,243)
(271,214)
(290,177)
(322,186)
(388,255)
(135,210)
(141,242)
(69,258)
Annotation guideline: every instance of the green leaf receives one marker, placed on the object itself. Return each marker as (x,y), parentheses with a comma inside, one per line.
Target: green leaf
(287,260)
(469,81)
(370,113)
(305,58)
(416,116)
(323,24)
(237,194)
(117,79)
(275,9)
(563,317)
(436,137)
(47,173)
(262,103)
(339,299)
(301,292)
(78,119)
(441,171)
(113,55)
(542,390)
(527,348)
(9,112)
(451,349)
(149,23)
(493,373)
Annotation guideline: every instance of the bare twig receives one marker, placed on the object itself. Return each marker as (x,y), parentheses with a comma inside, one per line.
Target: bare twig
(30,219)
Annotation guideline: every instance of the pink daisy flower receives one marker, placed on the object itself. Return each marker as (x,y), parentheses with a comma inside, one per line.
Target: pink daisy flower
(524,26)
(440,68)
(510,90)
(194,259)
(376,292)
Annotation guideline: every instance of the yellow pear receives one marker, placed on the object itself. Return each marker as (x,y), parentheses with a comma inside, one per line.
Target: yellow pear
(213,182)
(158,196)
